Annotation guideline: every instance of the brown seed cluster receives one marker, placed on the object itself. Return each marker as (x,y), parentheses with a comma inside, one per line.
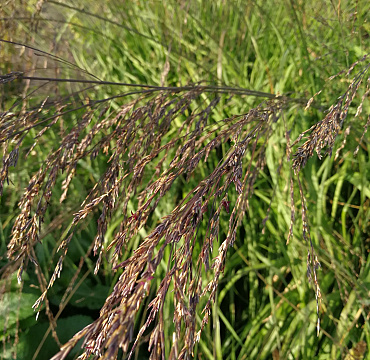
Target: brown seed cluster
(323,136)
(324,133)
(133,138)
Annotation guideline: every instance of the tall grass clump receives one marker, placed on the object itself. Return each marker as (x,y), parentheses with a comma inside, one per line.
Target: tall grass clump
(186,179)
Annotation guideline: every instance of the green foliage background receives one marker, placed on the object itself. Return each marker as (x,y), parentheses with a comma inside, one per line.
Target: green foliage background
(265,306)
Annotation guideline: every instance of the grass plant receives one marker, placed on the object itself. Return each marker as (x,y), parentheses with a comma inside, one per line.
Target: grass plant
(184,179)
